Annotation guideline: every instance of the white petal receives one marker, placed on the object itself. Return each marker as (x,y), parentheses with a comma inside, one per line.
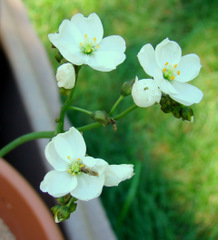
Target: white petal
(95,164)
(58,183)
(164,85)
(109,54)
(115,174)
(67,41)
(145,92)
(189,67)
(187,93)
(65,76)
(147,59)
(54,158)
(88,187)
(91,25)
(70,143)
(167,52)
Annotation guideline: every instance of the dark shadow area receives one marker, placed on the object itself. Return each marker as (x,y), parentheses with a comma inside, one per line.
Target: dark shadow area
(14,122)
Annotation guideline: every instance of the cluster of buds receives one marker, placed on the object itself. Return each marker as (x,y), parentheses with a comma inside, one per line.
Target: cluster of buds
(65,207)
(177,109)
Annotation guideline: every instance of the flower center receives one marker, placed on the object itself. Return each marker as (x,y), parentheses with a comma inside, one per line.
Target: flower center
(170,72)
(88,45)
(77,166)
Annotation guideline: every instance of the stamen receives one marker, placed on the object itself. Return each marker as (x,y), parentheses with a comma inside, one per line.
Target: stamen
(94,39)
(68,170)
(172,78)
(86,35)
(178,72)
(80,44)
(89,50)
(166,63)
(68,157)
(82,165)
(175,65)
(164,69)
(97,46)
(78,159)
(73,174)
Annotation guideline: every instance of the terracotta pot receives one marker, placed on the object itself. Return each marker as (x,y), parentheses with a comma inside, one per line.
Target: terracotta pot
(22,210)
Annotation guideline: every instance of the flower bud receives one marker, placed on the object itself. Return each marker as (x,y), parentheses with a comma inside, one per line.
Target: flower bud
(145,92)
(127,88)
(102,117)
(187,114)
(66,76)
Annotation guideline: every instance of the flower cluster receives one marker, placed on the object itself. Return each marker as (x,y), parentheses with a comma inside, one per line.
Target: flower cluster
(80,42)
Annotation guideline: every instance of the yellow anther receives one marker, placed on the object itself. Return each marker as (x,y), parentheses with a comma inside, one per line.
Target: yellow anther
(78,159)
(80,44)
(82,165)
(68,170)
(73,174)
(175,65)
(89,50)
(94,39)
(97,46)
(68,157)
(164,69)
(172,78)
(178,72)
(86,35)
(166,63)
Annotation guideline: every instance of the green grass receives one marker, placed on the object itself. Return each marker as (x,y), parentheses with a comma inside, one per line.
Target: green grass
(174,195)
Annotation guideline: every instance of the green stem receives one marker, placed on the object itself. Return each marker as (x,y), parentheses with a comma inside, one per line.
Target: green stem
(89,127)
(25,138)
(131,193)
(80,110)
(124,113)
(96,124)
(116,104)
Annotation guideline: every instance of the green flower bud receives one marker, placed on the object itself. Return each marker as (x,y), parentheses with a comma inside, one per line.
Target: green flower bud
(102,117)
(166,104)
(61,213)
(187,114)
(127,88)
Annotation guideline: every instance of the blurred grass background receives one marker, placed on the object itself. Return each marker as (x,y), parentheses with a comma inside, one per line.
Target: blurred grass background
(174,192)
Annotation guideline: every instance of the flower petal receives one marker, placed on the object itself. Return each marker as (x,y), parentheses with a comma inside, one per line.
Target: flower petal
(88,187)
(109,54)
(58,183)
(67,41)
(167,52)
(189,67)
(164,85)
(187,93)
(146,57)
(70,143)
(115,174)
(54,158)
(95,164)
(91,25)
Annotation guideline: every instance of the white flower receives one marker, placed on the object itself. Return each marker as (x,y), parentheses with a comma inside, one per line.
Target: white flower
(65,76)
(81,41)
(145,92)
(75,173)
(172,71)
